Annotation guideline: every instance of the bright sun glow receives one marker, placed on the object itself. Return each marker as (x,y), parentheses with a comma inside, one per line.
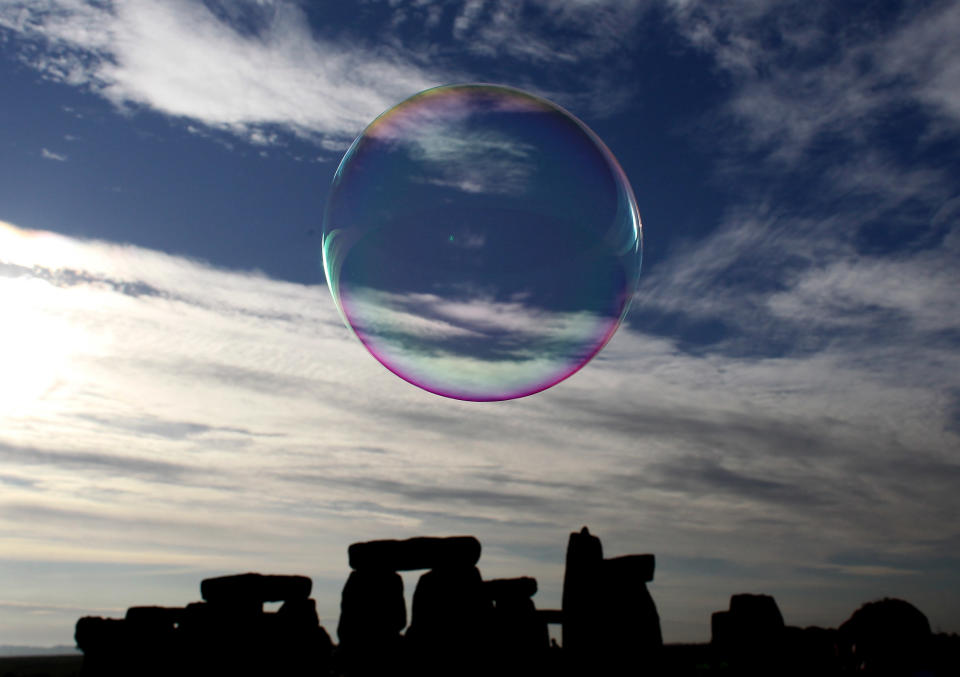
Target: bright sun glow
(34,347)
(37,339)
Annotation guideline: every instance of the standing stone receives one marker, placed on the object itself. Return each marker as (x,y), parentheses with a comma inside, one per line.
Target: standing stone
(629,623)
(152,631)
(580,595)
(808,651)
(630,614)
(295,641)
(520,636)
(888,637)
(610,621)
(372,607)
(450,631)
(105,643)
(750,635)
(415,553)
(372,615)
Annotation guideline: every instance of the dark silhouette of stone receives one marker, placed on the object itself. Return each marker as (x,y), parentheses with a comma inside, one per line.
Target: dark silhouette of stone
(808,651)
(750,635)
(581,606)
(106,647)
(551,616)
(415,553)
(520,636)
(629,622)
(758,613)
(157,616)
(511,588)
(296,643)
(451,626)
(153,630)
(721,629)
(945,653)
(630,567)
(228,635)
(243,589)
(371,604)
(372,615)
(609,618)
(886,637)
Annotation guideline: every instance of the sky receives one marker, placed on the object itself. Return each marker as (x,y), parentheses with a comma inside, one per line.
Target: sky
(779,412)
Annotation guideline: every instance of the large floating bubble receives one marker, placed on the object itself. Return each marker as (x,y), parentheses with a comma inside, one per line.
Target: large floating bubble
(481,242)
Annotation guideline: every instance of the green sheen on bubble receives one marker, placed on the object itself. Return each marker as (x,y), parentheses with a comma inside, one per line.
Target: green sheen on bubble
(481,242)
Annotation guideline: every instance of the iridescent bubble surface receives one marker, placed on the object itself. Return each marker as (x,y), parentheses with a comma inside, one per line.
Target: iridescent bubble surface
(481,242)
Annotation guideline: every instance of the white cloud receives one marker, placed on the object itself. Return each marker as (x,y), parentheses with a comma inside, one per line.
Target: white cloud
(50,155)
(180,59)
(791,96)
(184,60)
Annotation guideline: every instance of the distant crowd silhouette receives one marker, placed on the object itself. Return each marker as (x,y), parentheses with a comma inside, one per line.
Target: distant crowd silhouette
(463,626)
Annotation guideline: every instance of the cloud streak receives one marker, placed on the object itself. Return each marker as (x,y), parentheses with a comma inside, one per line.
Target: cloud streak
(182,59)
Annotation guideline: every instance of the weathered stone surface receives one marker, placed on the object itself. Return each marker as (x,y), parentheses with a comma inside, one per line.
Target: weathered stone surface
(511,588)
(630,567)
(415,553)
(247,588)
(372,607)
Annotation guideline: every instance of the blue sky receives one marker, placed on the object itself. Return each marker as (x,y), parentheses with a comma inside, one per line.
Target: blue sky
(779,413)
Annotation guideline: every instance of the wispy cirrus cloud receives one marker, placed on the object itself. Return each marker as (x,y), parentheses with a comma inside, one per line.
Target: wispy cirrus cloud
(260,70)
(185,60)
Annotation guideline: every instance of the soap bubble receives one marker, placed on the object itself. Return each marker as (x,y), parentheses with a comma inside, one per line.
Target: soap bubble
(481,242)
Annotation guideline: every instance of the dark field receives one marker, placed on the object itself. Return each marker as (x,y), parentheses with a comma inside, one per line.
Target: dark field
(679,659)
(40,666)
